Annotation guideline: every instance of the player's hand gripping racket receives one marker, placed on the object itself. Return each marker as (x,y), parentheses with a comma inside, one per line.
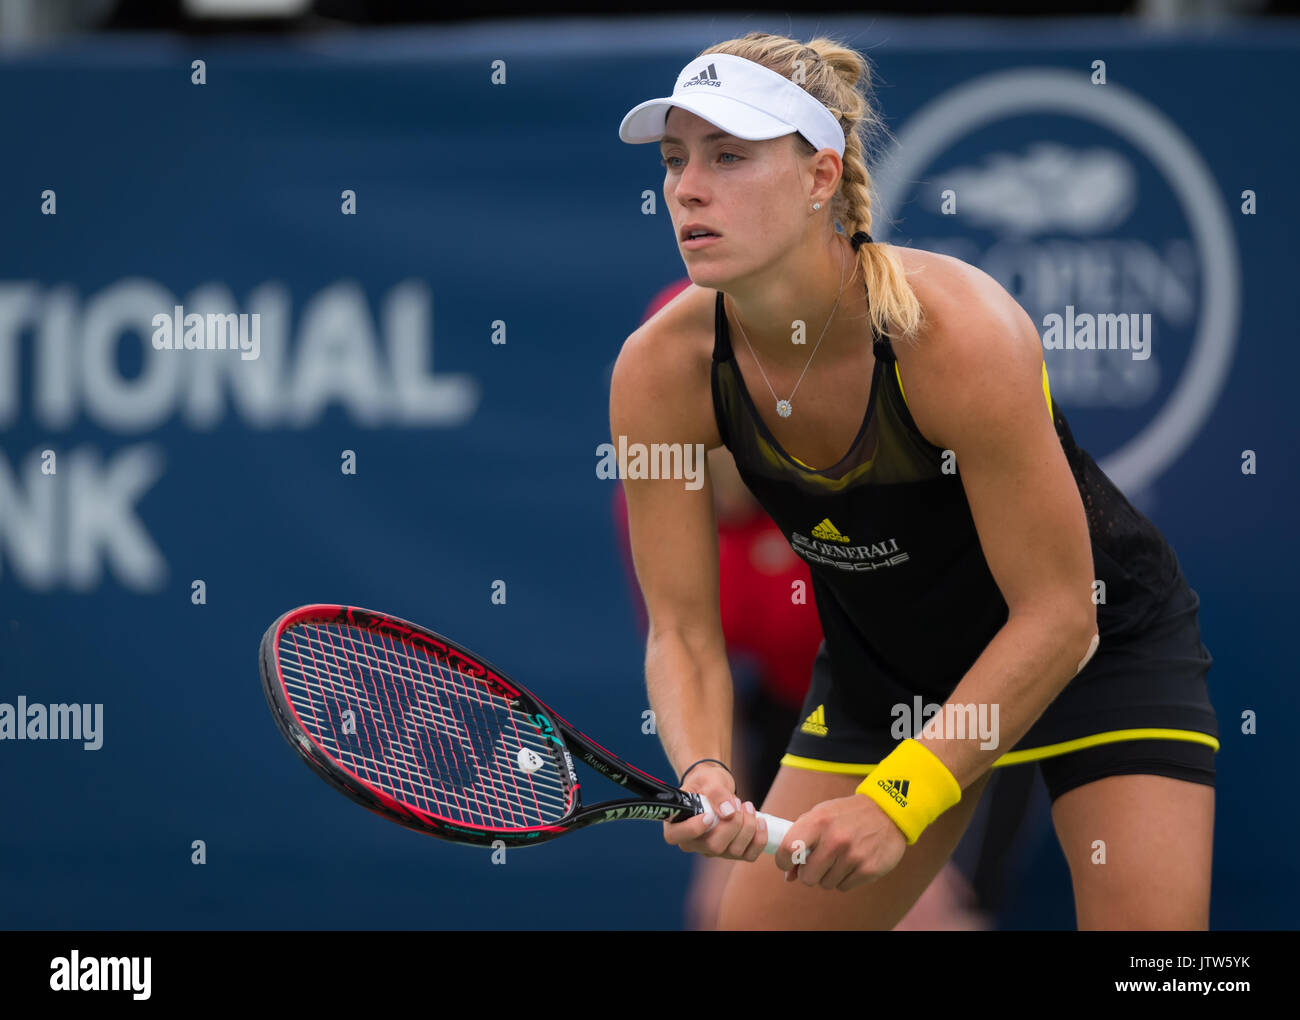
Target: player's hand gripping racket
(429,735)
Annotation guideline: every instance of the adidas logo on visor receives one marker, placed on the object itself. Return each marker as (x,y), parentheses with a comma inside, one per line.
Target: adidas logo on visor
(706,77)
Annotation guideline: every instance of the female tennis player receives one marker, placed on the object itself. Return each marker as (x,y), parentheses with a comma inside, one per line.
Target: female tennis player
(890,409)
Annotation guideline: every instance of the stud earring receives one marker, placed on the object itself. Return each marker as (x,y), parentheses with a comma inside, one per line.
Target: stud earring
(816,206)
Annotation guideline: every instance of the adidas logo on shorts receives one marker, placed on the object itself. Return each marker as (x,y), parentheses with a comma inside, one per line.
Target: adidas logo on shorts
(816,723)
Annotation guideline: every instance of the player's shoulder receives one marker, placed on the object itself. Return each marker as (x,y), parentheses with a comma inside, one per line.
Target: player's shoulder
(976,346)
(969,319)
(665,362)
(678,336)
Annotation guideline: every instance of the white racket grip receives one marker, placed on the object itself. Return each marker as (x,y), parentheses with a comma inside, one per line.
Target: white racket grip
(776,827)
(776,830)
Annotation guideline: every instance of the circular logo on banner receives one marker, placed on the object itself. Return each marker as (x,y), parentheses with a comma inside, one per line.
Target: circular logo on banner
(1093,210)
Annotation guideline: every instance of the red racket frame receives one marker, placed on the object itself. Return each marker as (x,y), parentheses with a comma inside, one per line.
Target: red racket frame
(655,800)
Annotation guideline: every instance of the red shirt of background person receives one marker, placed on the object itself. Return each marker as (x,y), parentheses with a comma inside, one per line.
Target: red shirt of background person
(757,571)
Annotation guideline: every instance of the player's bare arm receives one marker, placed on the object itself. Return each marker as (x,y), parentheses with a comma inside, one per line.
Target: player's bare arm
(659,394)
(974,387)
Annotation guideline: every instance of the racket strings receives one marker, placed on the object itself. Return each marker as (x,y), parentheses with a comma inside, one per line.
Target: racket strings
(461,739)
(412,725)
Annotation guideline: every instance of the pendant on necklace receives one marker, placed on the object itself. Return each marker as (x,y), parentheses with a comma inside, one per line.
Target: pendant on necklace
(783,408)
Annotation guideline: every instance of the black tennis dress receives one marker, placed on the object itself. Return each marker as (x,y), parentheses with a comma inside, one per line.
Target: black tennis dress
(907,602)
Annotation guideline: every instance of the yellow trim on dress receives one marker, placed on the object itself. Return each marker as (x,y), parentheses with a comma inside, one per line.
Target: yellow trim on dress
(1027,755)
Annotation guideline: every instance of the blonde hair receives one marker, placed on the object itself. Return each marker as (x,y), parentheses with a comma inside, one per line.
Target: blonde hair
(840,78)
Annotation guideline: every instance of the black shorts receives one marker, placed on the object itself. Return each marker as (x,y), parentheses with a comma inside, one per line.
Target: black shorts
(1141,705)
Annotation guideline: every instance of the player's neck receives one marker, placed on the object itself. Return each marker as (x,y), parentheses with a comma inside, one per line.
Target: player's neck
(771,305)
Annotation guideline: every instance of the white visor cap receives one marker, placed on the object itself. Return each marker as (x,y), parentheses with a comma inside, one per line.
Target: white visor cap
(743,98)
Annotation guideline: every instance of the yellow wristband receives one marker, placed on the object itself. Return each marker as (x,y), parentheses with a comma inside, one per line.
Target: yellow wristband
(913,787)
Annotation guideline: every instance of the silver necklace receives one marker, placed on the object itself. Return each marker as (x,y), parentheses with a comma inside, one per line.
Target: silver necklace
(784,407)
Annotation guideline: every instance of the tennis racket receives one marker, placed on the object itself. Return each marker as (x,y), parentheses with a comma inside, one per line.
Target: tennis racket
(433,737)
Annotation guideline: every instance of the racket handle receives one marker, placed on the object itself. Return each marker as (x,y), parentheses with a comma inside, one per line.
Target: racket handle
(776,827)
(776,830)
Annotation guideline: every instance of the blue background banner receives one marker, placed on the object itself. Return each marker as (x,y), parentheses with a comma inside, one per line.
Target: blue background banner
(490,210)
